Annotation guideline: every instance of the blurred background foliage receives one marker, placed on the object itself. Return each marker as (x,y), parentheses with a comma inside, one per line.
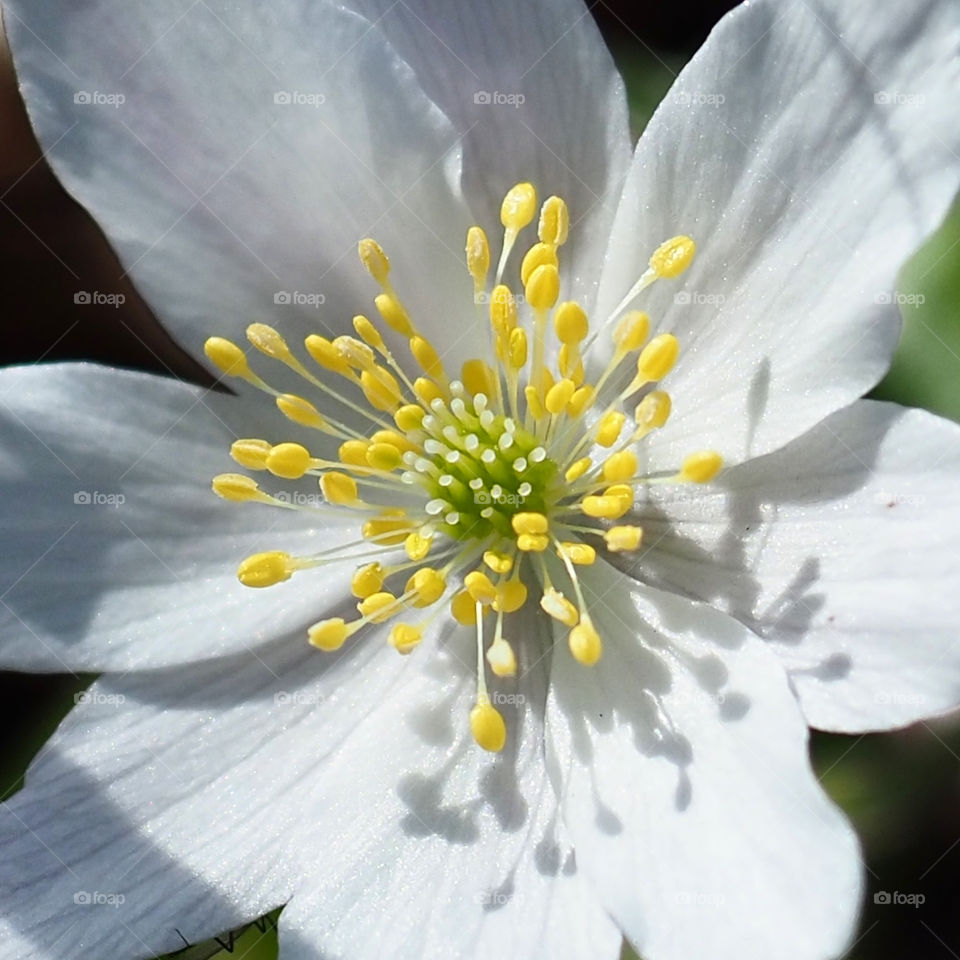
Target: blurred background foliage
(902,790)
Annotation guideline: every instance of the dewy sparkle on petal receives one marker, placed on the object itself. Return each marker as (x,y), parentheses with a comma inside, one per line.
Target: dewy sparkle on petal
(508,470)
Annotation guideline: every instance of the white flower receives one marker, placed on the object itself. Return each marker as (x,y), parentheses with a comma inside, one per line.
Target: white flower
(236,153)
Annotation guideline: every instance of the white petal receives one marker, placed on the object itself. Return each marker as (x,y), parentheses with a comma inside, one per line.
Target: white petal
(682,758)
(557,115)
(219,199)
(117,553)
(347,782)
(841,550)
(805,195)
(445,850)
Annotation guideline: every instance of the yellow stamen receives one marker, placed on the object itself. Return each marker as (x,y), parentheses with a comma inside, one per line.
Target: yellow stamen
(301,411)
(582,554)
(585,643)
(379,607)
(498,562)
(367,580)
(701,467)
(329,635)
(374,260)
(609,427)
(577,469)
(554,221)
(339,488)
(631,332)
(428,585)
(367,332)
(227,357)
(405,637)
(502,660)
(487,726)
(531,523)
(394,316)
(480,587)
(673,256)
(266,569)
(251,454)
(623,538)
(570,322)
(657,358)
(478,257)
(559,607)
(511,596)
(620,466)
(537,256)
(289,461)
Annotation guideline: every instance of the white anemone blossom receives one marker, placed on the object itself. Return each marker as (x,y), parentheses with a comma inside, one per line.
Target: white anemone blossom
(567,663)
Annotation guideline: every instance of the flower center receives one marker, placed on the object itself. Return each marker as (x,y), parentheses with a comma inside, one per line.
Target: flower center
(471,493)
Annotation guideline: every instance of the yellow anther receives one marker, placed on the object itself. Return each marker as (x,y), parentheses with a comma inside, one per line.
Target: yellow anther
(620,539)
(480,587)
(300,411)
(377,263)
(559,395)
(533,402)
(386,531)
(487,726)
(620,466)
(517,351)
(288,460)
(367,332)
(428,584)
(405,637)
(609,427)
(326,355)
(511,596)
(251,454)
(585,643)
(237,487)
(381,389)
(503,309)
(570,322)
(266,569)
(367,580)
(543,287)
(409,417)
(417,546)
(604,507)
(577,469)
(394,316)
(538,255)
(426,390)
(502,660)
(265,339)
(355,353)
(227,357)
(580,400)
(673,256)
(532,542)
(632,331)
(354,452)
(554,221)
(338,488)
(582,554)
(519,207)
(623,492)
(379,607)
(559,607)
(498,562)
(329,635)
(463,609)
(425,354)
(477,377)
(653,410)
(701,467)
(398,440)
(383,456)
(657,358)
(478,256)
(529,523)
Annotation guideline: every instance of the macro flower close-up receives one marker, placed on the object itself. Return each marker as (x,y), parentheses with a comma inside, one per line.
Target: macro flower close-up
(476,593)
